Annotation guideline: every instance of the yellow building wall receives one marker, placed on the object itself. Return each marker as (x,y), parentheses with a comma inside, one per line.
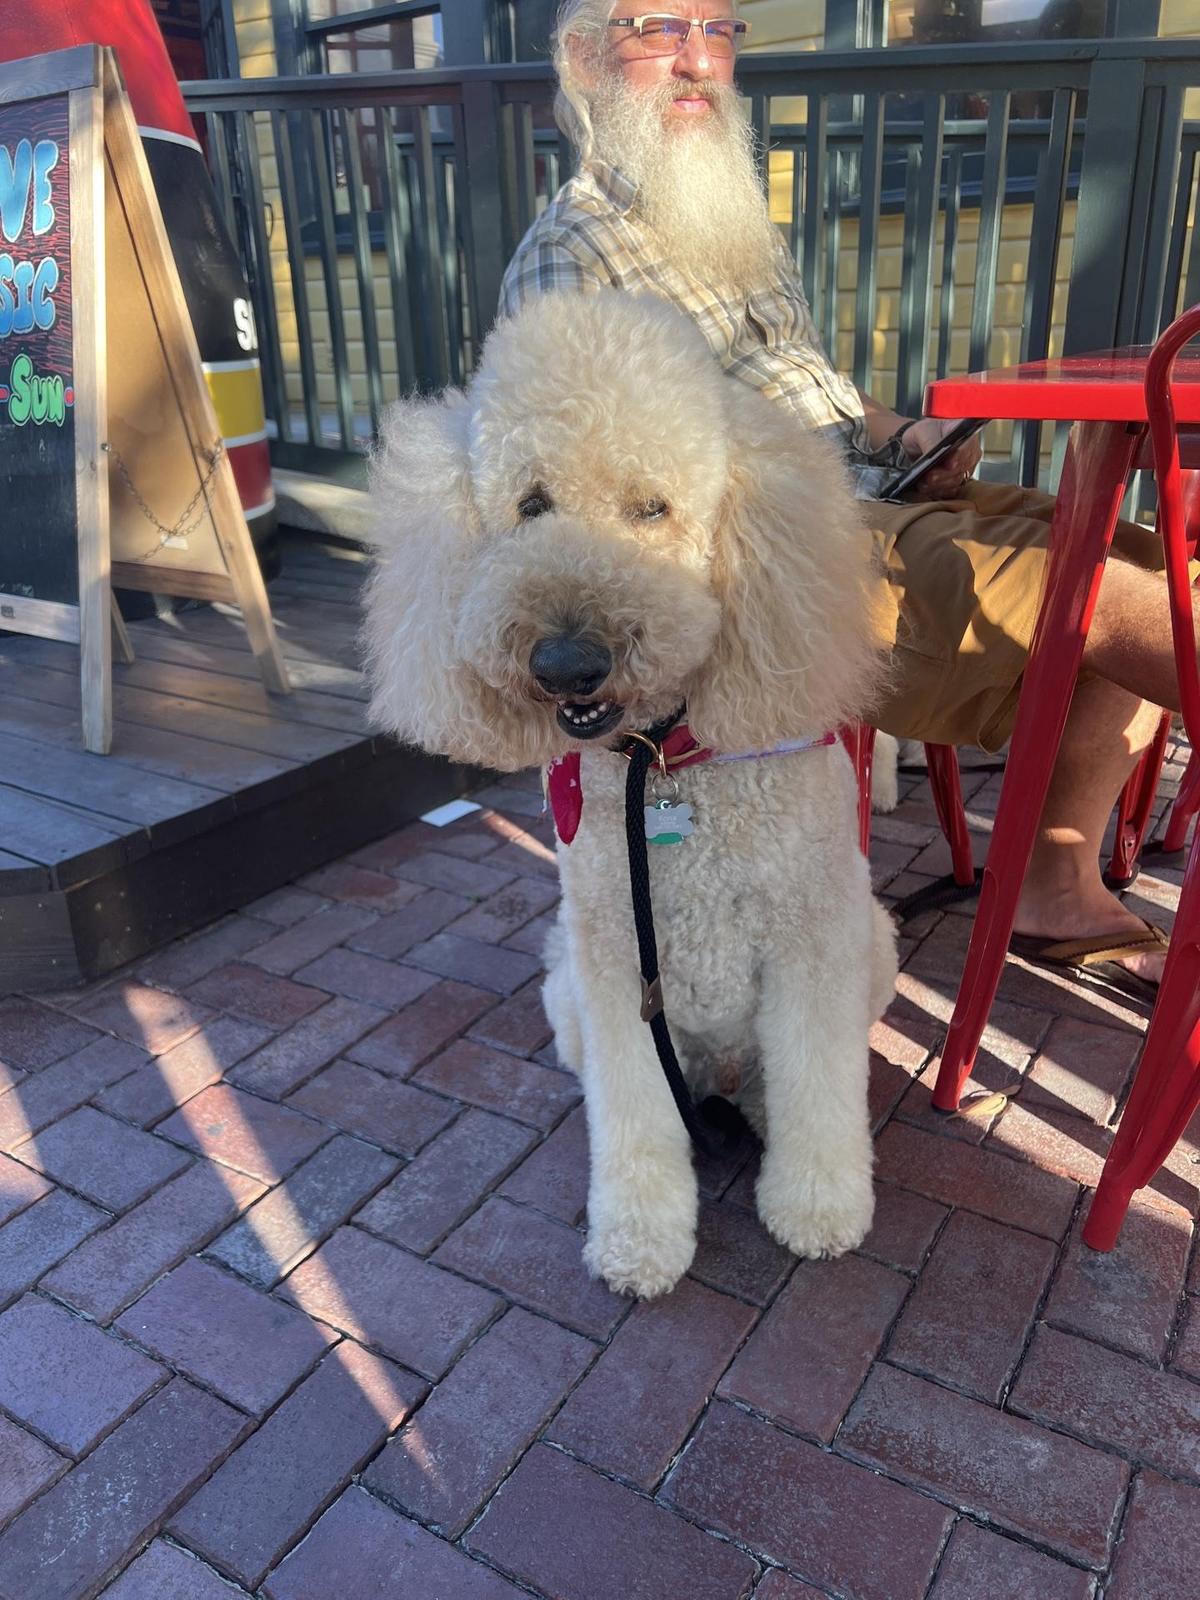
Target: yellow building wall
(1180,19)
(255,37)
(1008,311)
(784,24)
(777,25)
(256,44)
(283,257)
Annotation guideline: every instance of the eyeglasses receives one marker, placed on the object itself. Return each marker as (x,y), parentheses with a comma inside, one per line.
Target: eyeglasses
(663,35)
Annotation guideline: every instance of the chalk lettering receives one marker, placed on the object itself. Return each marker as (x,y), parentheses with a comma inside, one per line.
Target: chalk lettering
(45,159)
(25,175)
(26,290)
(45,281)
(16,176)
(34,398)
(23,287)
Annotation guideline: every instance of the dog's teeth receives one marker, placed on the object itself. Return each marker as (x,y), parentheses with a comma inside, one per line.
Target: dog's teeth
(584,716)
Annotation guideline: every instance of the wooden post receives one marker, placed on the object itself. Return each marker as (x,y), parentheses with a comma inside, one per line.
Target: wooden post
(91,475)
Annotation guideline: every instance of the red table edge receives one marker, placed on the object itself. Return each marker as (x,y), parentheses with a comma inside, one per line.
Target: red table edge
(1067,389)
(1029,401)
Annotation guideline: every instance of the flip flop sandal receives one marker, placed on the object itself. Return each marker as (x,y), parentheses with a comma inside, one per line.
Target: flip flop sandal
(1098,957)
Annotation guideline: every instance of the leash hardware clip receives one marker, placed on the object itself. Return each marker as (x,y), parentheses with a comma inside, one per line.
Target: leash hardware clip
(665,789)
(655,749)
(652,999)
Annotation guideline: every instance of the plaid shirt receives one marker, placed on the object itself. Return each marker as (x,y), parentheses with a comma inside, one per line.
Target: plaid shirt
(588,238)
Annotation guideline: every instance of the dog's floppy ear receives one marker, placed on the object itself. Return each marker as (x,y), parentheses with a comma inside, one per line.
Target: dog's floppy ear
(424,527)
(798,652)
(420,469)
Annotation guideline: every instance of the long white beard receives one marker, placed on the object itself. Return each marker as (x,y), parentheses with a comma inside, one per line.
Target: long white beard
(698,185)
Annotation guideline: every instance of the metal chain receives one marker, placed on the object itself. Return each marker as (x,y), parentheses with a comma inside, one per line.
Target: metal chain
(182,529)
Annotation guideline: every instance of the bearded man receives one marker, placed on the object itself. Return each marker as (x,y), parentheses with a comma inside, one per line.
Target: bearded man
(668,200)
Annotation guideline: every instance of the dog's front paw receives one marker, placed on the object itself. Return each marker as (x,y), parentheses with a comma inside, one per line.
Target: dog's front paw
(639,1257)
(815,1215)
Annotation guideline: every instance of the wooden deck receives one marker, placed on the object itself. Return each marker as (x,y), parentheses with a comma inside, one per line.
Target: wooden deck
(215,792)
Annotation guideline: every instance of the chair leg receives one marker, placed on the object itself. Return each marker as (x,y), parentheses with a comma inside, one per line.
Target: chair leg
(860,743)
(1132,1166)
(1187,803)
(1093,482)
(946,785)
(1166,1090)
(1134,808)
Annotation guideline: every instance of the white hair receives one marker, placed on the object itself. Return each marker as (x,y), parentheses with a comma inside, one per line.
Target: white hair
(585,21)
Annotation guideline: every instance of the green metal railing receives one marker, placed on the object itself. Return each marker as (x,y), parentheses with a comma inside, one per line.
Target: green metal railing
(402,196)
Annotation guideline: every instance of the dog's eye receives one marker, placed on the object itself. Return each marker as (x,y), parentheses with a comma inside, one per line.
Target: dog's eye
(535,504)
(650,511)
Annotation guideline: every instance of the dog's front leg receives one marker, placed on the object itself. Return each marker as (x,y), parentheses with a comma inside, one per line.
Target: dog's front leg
(814,1191)
(642,1200)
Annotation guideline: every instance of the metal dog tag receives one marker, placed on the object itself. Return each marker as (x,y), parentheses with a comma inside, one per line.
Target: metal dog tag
(668,823)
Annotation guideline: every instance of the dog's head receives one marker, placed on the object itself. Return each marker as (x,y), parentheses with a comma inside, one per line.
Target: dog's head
(604,527)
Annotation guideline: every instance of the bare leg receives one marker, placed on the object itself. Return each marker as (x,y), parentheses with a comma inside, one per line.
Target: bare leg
(1112,720)
(1129,642)
(1063,896)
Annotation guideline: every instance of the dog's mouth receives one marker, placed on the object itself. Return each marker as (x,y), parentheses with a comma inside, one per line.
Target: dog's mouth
(588,719)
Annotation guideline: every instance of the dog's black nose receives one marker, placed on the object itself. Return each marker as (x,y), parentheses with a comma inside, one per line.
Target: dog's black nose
(568,664)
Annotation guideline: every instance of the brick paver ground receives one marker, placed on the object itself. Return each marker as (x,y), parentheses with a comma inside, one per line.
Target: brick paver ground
(292,1305)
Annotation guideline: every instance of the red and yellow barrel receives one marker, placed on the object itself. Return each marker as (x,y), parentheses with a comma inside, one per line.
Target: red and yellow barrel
(209,270)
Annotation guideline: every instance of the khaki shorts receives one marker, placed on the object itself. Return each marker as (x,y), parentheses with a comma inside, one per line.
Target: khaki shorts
(965,579)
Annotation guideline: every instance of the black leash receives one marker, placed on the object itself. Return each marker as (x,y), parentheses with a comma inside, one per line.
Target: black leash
(714,1126)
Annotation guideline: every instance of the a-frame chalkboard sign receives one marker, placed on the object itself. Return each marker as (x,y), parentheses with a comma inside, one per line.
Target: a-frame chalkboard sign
(111,463)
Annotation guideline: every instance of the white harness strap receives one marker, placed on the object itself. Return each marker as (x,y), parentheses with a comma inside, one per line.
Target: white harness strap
(789,747)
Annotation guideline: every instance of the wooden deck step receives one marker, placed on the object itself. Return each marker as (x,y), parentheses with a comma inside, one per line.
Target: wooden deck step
(215,791)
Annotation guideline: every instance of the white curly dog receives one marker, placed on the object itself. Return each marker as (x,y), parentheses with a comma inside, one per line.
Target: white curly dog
(602,529)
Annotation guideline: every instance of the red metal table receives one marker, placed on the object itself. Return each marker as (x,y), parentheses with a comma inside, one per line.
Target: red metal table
(1102,396)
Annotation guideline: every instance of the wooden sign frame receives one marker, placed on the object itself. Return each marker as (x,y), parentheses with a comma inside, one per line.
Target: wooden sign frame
(107,167)
(75,74)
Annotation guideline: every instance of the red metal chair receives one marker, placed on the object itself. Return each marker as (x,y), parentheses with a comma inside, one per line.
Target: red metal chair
(860,743)
(1137,803)
(1134,809)
(1166,1090)
(947,797)
(1187,804)
(1137,797)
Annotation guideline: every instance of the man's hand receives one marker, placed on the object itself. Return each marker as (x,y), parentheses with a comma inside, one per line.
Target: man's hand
(946,480)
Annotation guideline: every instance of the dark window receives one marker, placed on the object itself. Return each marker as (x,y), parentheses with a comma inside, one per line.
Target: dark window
(920,22)
(390,45)
(992,21)
(523,28)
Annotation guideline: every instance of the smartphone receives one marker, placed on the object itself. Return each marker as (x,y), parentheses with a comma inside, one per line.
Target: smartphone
(946,446)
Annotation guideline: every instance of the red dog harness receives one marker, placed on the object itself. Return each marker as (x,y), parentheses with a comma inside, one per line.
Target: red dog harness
(679,749)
